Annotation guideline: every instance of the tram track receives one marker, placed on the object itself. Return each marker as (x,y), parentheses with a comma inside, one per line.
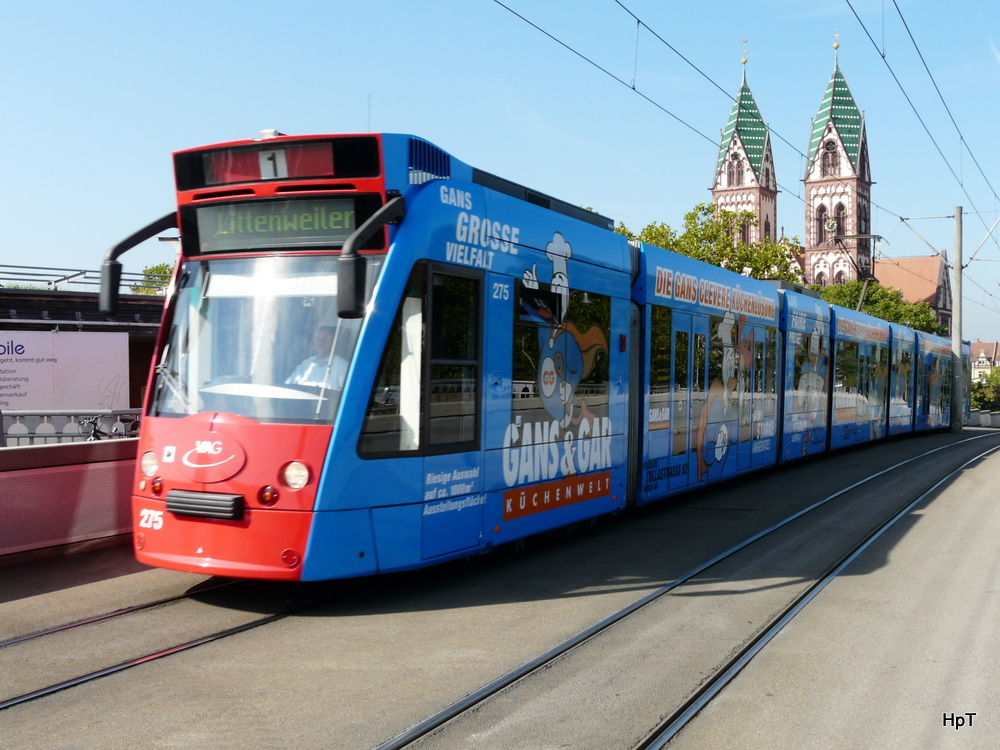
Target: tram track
(712,687)
(23,656)
(434,730)
(17,654)
(128,664)
(425,730)
(116,613)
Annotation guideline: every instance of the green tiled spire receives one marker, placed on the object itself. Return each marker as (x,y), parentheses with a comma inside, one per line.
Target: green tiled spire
(838,106)
(745,121)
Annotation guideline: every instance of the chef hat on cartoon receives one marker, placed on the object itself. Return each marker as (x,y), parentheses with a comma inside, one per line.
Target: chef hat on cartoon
(559,251)
(726,328)
(814,339)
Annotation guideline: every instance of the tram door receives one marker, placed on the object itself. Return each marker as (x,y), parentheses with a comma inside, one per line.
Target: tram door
(689,343)
(749,378)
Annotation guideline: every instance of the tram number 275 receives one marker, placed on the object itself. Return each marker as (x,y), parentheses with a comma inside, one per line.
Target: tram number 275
(150,519)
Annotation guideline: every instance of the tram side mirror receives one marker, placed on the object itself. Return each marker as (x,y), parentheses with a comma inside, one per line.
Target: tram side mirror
(111,271)
(111,278)
(350,286)
(351,265)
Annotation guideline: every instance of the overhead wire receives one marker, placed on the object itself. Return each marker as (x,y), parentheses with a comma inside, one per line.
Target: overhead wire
(718,86)
(916,113)
(882,55)
(947,109)
(606,72)
(961,184)
(632,86)
(698,70)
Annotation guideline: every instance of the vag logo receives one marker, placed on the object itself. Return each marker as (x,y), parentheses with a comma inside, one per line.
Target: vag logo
(209,457)
(205,448)
(213,447)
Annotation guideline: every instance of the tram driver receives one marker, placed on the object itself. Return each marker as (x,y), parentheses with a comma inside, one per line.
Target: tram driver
(324,369)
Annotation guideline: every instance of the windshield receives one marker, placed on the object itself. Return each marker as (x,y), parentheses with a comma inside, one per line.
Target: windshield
(258,337)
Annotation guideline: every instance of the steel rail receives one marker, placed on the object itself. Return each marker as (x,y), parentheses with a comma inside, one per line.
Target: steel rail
(117,613)
(715,684)
(140,660)
(456,709)
(427,726)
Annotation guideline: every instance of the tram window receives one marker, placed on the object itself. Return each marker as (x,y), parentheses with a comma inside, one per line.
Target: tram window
(945,382)
(723,358)
(681,388)
(721,339)
(847,367)
(755,386)
(908,367)
(403,415)
(758,367)
(560,364)
(882,374)
(699,389)
(659,364)
(454,360)
(392,421)
(770,368)
(659,350)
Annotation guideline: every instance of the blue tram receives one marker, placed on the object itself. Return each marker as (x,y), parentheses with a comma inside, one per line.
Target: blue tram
(375,357)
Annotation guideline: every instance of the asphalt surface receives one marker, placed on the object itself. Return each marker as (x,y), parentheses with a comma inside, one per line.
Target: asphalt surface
(380,655)
(902,651)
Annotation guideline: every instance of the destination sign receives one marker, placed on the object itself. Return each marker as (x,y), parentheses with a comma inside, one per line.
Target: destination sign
(256,225)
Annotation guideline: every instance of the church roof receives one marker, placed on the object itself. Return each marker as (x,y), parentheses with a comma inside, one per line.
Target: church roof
(838,106)
(746,122)
(918,278)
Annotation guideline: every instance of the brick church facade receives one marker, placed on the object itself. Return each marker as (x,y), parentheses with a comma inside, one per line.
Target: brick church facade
(838,245)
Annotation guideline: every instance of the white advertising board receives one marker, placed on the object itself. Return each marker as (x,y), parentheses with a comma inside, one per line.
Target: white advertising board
(63,370)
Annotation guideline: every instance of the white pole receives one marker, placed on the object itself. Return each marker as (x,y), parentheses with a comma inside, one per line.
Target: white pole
(957,378)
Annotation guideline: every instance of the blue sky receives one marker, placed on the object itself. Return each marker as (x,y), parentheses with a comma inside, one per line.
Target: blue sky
(96,96)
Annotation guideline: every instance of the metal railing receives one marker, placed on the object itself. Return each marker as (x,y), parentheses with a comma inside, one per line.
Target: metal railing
(77,280)
(41,427)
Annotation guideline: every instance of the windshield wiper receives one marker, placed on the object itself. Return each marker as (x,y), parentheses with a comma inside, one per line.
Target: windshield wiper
(165,375)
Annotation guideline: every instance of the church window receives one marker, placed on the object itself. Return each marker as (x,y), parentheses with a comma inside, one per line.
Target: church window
(840,278)
(821,278)
(831,160)
(840,217)
(864,225)
(821,225)
(767,227)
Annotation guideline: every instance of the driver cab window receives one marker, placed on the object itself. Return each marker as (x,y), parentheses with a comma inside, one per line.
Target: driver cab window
(426,394)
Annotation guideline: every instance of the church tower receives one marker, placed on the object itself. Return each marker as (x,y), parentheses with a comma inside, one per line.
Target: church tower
(837,190)
(744,171)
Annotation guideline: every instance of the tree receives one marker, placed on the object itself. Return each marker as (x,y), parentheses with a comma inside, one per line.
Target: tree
(883,302)
(714,236)
(986,393)
(154,279)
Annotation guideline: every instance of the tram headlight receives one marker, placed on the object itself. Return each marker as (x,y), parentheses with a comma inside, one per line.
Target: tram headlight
(295,475)
(148,464)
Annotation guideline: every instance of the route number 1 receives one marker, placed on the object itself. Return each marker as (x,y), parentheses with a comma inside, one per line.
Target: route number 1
(273,164)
